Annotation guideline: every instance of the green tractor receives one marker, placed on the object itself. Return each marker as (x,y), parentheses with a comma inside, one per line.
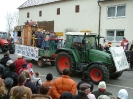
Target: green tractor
(80,53)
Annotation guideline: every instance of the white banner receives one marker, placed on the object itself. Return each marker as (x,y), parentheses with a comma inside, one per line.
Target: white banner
(27,51)
(119,58)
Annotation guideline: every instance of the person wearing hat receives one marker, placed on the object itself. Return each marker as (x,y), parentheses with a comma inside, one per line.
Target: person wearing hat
(7,65)
(101,90)
(12,74)
(4,60)
(67,95)
(63,84)
(19,62)
(122,94)
(49,83)
(84,90)
(8,84)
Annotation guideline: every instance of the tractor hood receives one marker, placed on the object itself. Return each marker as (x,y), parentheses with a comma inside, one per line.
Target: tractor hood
(3,42)
(97,55)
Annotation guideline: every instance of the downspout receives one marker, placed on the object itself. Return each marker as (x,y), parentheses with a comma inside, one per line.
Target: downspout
(99,23)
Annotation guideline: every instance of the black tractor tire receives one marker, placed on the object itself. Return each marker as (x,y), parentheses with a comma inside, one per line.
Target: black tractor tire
(40,62)
(116,75)
(64,60)
(12,49)
(98,72)
(4,50)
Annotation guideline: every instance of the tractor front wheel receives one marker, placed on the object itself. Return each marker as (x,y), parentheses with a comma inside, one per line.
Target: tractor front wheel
(98,72)
(64,60)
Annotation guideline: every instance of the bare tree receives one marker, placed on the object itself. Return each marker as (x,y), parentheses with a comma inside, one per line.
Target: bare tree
(12,21)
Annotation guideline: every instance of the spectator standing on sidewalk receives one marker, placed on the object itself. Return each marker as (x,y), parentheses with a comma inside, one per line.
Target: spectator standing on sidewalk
(4,60)
(22,91)
(122,94)
(85,79)
(49,82)
(63,84)
(101,90)
(84,90)
(19,62)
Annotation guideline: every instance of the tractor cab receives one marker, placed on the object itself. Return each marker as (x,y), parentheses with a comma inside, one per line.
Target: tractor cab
(80,41)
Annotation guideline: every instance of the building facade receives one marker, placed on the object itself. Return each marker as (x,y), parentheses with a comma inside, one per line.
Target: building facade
(115,23)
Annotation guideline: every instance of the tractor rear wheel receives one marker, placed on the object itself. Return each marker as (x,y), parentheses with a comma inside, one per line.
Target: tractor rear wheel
(98,72)
(64,60)
(116,75)
(40,62)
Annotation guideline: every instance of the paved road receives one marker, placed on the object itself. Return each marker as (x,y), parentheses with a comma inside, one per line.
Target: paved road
(125,81)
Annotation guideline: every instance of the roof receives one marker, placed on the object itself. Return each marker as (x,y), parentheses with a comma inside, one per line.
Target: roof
(79,33)
(30,3)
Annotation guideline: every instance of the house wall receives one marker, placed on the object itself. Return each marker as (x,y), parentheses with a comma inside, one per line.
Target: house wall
(124,23)
(86,19)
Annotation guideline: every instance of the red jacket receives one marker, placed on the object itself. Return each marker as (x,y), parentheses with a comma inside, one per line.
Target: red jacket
(63,84)
(19,64)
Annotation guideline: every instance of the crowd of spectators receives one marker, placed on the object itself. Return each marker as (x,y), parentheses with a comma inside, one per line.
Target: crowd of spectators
(18,81)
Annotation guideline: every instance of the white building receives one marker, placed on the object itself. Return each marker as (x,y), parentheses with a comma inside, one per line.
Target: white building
(116,16)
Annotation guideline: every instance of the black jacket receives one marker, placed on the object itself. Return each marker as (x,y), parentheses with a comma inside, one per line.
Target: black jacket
(98,93)
(131,56)
(11,74)
(85,81)
(131,47)
(4,60)
(31,85)
(81,96)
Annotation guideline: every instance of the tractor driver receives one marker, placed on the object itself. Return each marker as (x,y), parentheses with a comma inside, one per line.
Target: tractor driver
(88,44)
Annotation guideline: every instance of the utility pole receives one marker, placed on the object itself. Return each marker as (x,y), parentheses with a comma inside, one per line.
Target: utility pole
(99,23)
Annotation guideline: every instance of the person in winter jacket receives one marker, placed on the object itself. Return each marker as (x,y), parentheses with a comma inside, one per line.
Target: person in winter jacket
(20,91)
(12,74)
(4,60)
(101,90)
(63,84)
(85,79)
(131,59)
(84,90)
(42,93)
(29,83)
(37,80)
(8,84)
(7,65)
(66,95)
(131,47)
(19,62)
(49,83)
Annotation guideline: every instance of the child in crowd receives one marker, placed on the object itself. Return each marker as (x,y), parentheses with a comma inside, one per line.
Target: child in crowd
(49,82)
(37,80)
(29,68)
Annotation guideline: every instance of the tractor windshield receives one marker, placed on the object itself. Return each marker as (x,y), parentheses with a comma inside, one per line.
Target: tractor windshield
(90,42)
(3,35)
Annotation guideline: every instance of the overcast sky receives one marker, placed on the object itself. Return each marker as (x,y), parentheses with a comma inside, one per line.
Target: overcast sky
(9,6)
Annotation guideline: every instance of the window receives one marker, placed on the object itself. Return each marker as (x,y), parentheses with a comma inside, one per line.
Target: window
(77,8)
(28,15)
(40,13)
(117,11)
(58,11)
(115,35)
